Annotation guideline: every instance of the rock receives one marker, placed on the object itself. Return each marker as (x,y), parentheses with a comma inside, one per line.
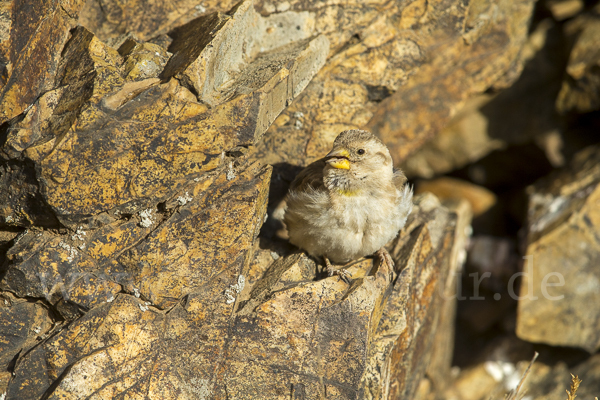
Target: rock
(395,362)
(489,40)
(493,372)
(6,241)
(550,381)
(22,203)
(473,383)
(503,365)
(559,282)
(580,88)
(286,332)
(89,267)
(22,325)
(142,60)
(393,66)
(123,189)
(144,20)
(463,140)
(563,9)
(521,114)
(110,123)
(444,188)
(210,70)
(34,33)
(439,373)
(133,189)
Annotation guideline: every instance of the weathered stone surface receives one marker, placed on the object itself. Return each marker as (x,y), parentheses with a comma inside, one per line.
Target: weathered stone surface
(406,58)
(489,38)
(126,348)
(476,383)
(439,373)
(33,35)
(6,241)
(97,141)
(325,337)
(288,20)
(139,203)
(523,113)
(463,140)
(142,60)
(22,324)
(162,262)
(214,71)
(134,201)
(581,86)
(21,203)
(411,330)
(144,19)
(560,283)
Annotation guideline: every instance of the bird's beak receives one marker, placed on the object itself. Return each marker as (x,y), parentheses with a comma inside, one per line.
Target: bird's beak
(338,158)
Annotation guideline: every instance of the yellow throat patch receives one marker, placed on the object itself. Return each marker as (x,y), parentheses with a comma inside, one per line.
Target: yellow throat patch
(345,192)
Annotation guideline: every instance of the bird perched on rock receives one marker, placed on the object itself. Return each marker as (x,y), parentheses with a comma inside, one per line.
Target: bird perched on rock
(348,204)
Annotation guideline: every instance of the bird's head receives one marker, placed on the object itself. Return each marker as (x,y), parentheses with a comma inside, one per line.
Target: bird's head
(358,155)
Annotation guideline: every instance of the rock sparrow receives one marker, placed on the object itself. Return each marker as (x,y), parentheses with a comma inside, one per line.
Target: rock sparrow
(348,204)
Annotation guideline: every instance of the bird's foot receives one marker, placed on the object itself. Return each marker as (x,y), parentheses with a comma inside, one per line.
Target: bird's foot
(386,259)
(342,273)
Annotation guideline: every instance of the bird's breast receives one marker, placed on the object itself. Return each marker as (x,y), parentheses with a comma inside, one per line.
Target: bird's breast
(357,210)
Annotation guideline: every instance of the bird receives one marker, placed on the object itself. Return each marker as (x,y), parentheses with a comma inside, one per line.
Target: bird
(348,204)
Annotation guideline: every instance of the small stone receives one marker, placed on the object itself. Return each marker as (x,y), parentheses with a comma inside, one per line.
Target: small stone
(563,9)
(183,200)
(147,218)
(230,172)
(480,198)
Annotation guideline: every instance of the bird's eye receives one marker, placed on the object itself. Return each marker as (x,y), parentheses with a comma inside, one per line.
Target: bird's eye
(361,151)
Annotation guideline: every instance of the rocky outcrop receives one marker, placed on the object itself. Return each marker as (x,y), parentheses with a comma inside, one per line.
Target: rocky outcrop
(135,185)
(580,88)
(560,283)
(373,338)
(403,75)
(522,113)
(130,142)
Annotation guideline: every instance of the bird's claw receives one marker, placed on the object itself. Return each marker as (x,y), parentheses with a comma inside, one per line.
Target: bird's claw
(386,259)
(342,273)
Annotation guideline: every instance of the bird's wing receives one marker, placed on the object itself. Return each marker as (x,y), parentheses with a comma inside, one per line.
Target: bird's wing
(311,176)
(399,179)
